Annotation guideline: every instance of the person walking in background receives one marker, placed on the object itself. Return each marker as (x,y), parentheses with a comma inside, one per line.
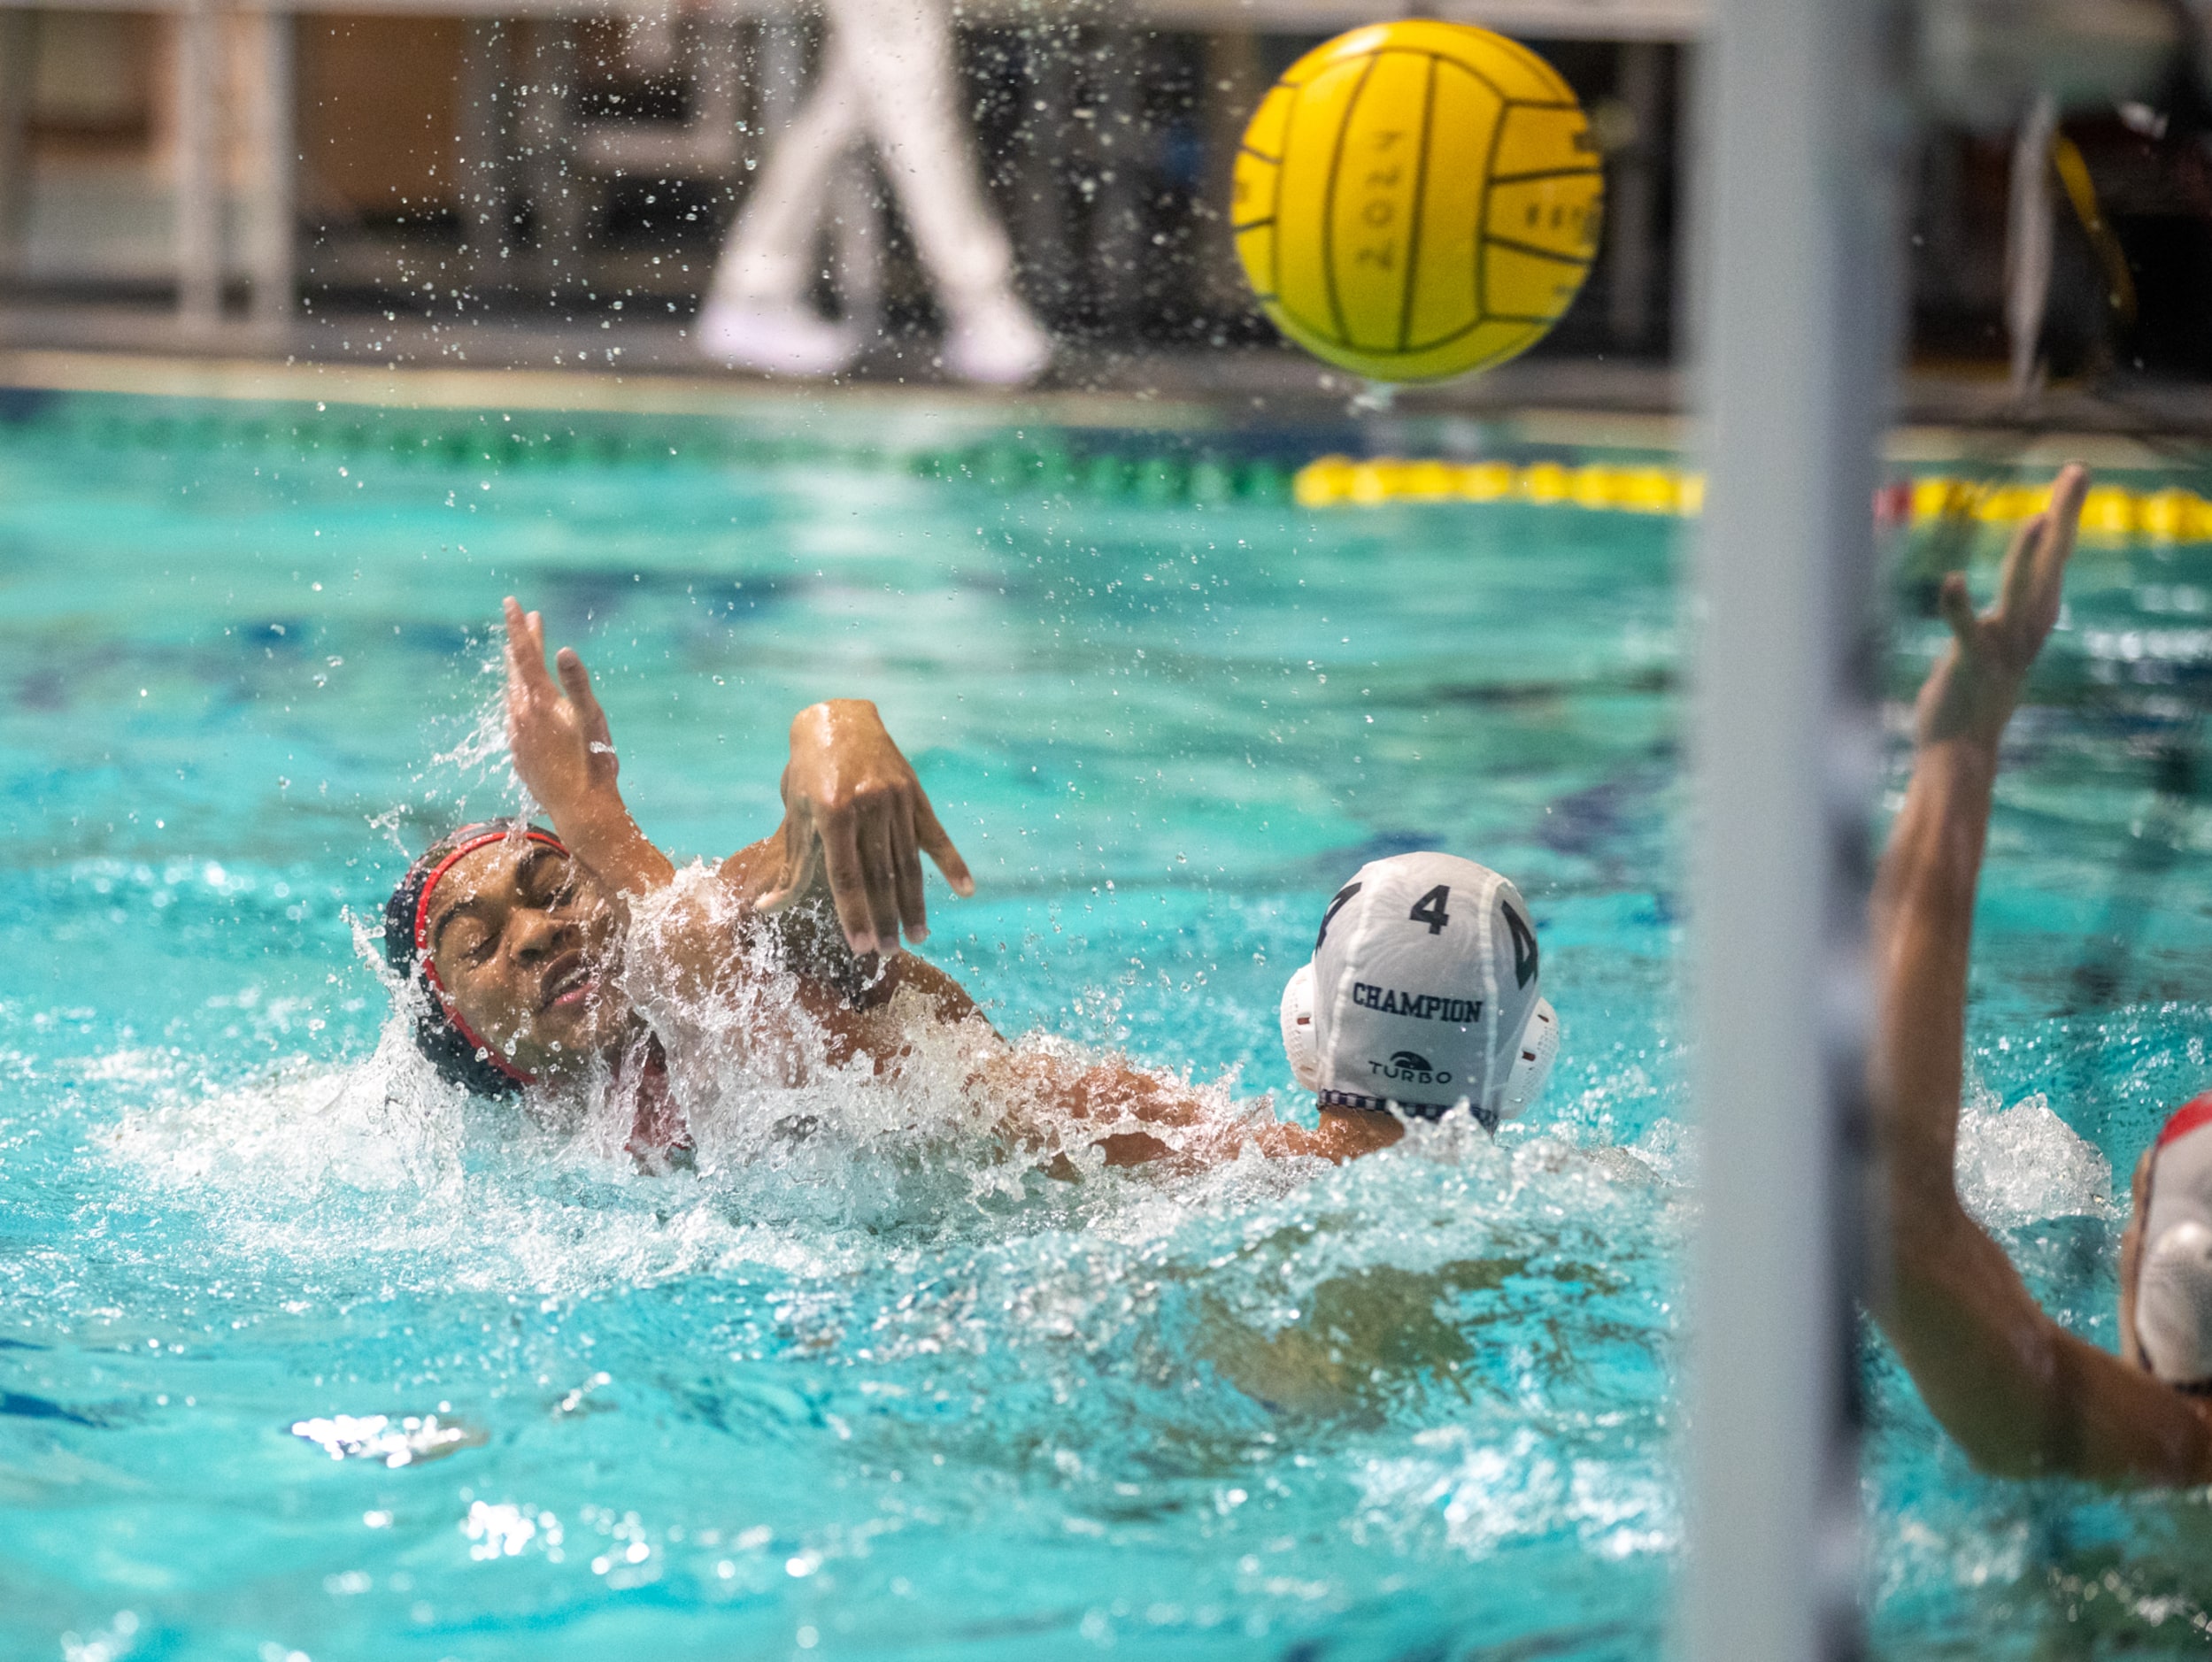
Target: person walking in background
(888,74)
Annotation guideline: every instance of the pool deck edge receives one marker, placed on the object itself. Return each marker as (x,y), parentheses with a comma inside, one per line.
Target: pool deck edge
(247,378)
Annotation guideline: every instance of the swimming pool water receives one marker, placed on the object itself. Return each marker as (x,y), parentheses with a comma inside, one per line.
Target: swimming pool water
(866,1404)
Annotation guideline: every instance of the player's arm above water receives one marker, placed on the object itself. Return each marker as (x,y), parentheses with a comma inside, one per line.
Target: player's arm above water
(856,824)
(563,754)
(856,819)
(2020,1393)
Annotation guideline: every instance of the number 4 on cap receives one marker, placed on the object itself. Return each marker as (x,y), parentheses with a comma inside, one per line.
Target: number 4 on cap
(1429,909)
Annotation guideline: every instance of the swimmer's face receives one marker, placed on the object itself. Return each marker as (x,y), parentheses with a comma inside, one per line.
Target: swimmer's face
(524,944)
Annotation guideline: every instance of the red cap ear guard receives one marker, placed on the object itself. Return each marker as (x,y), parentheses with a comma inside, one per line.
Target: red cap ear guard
(445,1039)
(2196,1112)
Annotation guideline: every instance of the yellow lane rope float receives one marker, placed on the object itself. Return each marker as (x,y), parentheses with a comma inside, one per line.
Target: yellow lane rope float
(2167,513)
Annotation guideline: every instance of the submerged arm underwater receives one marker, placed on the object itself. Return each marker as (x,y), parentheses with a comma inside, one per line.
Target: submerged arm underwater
(2021,1394)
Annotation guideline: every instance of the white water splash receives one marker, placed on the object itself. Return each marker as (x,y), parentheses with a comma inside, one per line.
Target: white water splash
(2024,1163)
(408,1441)
(1488,1492)
(380,1175)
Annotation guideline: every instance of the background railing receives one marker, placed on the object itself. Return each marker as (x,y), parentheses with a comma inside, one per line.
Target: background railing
(532,161)
(1109,131)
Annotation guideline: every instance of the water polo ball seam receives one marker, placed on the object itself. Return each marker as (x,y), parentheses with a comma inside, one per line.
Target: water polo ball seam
(486,1051)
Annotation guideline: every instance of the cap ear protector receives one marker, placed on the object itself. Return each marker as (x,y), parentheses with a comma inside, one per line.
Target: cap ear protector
(1531,1063)
(2173,1298)
(2173,1280)
(1297,1028)
(440,1031)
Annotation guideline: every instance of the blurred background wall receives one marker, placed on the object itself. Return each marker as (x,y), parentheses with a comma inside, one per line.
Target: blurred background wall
(563,167)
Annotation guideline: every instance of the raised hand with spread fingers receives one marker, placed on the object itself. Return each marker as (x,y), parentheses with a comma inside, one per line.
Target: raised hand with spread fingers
(564,757)
(1971,692)
(856,821)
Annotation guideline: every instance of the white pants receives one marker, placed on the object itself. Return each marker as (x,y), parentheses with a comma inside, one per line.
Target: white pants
(888,74)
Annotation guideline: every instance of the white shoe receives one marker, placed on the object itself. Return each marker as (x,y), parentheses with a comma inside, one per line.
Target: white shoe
(776,337)
(995,342)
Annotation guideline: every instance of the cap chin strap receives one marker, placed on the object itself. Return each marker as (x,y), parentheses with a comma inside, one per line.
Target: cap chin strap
(1486,1118)
(484,1048)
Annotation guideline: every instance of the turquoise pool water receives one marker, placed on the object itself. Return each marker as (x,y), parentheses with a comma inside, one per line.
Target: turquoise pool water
(863,1404)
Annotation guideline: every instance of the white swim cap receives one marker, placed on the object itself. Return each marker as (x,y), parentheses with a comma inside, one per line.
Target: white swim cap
(1423,993)
(2173,1286)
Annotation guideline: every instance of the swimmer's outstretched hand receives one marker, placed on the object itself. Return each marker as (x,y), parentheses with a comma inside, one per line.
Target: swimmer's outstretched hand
(563,751)
(1970,693)
(565,757)
(854,815)
(853,810)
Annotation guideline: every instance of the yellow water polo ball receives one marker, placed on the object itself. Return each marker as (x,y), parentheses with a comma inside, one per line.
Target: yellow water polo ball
(1415,200)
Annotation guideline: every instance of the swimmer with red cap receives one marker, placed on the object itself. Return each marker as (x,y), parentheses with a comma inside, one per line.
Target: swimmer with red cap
(514,939)
(2021,1394)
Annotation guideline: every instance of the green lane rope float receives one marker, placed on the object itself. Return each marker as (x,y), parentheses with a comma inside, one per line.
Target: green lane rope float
(1097,465)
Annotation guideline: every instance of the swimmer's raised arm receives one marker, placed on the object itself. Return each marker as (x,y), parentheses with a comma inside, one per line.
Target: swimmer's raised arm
(2020,1393)
(856,819)
(854,815)
(565,755)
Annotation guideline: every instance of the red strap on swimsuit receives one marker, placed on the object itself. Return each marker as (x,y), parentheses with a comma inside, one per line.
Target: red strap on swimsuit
(422,942)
